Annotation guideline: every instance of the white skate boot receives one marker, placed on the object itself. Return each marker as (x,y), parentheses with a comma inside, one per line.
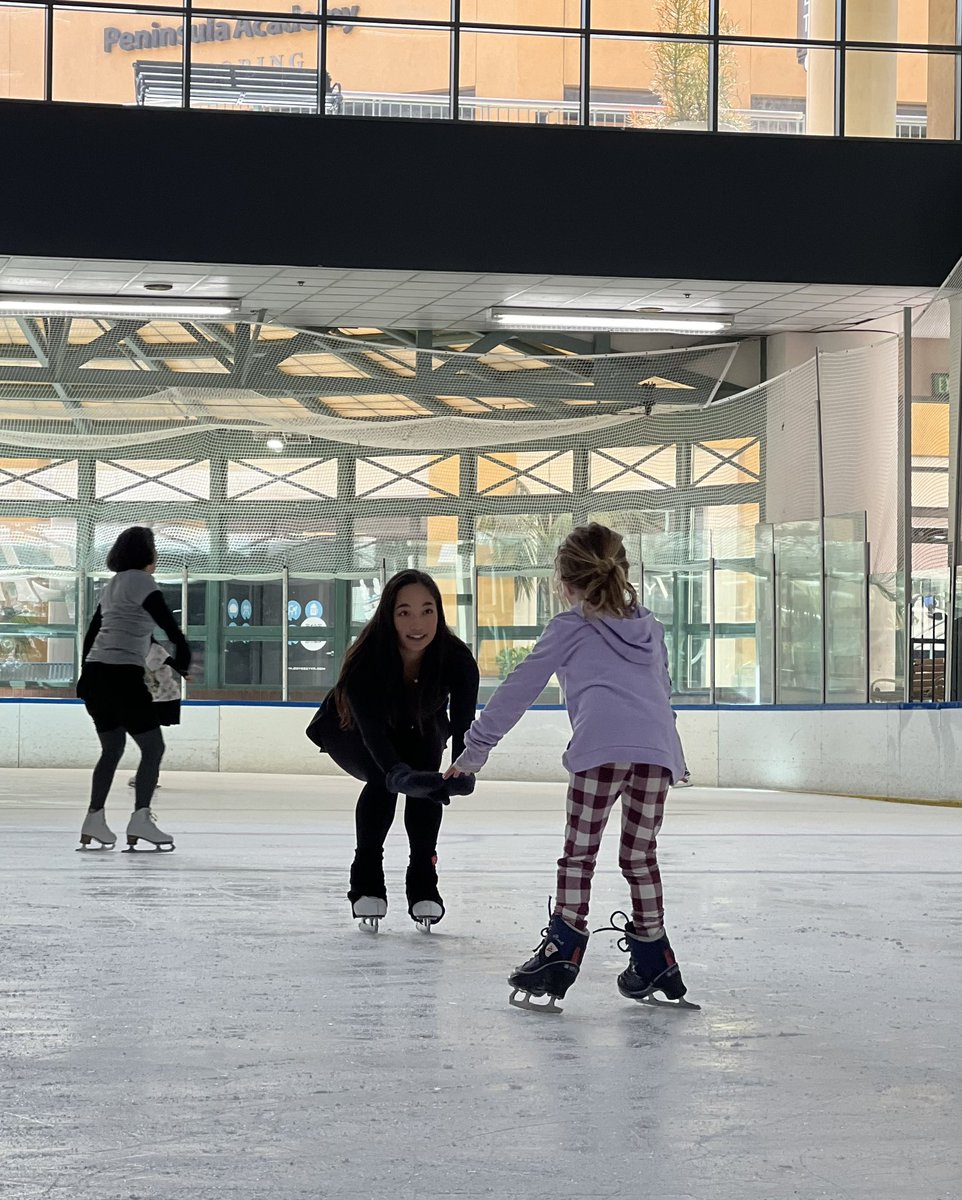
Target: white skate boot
(368,911)
(95,829)
(143,826)
(426,913)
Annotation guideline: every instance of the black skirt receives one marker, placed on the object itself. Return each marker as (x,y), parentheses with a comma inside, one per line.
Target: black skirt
(116,697)
(168,711)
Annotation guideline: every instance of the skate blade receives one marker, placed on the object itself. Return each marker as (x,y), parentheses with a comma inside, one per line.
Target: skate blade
(654,1002)
(158,847)
(550,1009)
(100,845)
(424,924)
(368,924)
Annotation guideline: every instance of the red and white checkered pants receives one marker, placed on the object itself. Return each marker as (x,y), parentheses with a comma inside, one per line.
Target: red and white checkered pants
(591,797)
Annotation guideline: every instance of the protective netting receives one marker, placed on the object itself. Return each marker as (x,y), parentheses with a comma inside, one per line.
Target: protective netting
(252,448)
(763,522)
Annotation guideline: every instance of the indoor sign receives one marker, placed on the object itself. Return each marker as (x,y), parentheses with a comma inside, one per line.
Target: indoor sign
(212,30)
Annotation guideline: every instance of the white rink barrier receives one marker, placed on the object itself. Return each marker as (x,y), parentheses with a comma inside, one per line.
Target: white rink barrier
(896,751)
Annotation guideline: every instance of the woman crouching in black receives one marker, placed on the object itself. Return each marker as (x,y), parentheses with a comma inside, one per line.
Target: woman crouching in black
(406,686)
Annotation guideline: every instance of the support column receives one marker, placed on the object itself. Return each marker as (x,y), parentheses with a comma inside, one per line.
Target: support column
(820,71)
(941,84)
(871,77)
(905,513)
(955,497)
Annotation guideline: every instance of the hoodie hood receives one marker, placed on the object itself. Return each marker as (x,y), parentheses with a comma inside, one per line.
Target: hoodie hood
(635,638)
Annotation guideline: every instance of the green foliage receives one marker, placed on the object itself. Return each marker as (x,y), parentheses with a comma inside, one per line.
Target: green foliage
(509,658)
(682,69)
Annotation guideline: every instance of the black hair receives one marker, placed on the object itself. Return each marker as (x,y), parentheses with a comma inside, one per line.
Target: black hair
(133,550)
(376,651)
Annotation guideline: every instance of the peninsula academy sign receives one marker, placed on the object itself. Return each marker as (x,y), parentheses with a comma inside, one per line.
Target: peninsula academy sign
(213,30)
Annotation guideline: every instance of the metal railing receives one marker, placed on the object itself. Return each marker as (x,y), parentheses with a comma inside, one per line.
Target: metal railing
(295,90)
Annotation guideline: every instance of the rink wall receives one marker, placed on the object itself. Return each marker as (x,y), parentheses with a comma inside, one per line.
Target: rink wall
(895,751)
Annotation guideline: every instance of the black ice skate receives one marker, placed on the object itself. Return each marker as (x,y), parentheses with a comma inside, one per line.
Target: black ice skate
(552,970)
(652,969)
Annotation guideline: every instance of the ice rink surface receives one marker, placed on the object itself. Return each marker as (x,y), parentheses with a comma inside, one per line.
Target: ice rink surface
(209,1025)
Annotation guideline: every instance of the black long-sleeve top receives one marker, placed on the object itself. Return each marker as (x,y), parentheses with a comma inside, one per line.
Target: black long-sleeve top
(156,606)
(385,727)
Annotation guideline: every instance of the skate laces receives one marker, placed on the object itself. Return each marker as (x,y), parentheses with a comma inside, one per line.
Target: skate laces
(623,943)
(544,932)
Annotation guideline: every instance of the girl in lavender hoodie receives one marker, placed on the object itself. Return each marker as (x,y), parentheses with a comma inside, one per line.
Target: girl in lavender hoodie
(609,654)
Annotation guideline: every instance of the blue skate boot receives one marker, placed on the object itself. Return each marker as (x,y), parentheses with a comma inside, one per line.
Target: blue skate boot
(652,969)
(552,970)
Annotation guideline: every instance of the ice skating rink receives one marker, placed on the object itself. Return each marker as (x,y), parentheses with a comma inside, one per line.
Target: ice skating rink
(209,1025)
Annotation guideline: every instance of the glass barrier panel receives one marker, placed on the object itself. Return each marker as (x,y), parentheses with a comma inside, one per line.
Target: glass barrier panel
(314,619)
(798,557)
(847,622)
(737,678)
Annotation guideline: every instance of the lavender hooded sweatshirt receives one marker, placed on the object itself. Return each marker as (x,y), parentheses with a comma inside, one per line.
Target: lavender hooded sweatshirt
(614,674)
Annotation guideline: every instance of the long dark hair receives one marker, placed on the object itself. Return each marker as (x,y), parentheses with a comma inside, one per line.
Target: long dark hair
(376,652)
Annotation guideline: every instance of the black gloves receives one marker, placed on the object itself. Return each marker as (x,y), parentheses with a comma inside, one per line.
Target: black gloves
(428,785)
(460,785)
(402,778)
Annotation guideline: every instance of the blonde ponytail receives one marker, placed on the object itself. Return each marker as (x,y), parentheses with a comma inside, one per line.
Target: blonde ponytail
(592,560)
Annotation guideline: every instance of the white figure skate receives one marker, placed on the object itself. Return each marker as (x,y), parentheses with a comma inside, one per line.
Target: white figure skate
(95,829)
(143,827)
(426,913)
(369,911)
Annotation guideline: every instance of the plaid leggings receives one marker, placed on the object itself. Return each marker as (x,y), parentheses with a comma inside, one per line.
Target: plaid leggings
(591,797)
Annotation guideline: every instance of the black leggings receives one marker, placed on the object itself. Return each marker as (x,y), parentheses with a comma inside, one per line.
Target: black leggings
(112,744)
(374,816)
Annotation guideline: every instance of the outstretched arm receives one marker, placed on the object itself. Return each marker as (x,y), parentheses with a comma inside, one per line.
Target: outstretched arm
(508,704)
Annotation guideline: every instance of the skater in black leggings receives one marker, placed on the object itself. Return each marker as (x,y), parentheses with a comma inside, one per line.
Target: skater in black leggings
(407,685)
(113,688)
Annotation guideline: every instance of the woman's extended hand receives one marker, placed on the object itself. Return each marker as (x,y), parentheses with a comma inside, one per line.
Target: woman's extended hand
(452,773)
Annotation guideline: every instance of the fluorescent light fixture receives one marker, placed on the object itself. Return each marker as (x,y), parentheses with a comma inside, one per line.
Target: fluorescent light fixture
(275,442)
(612,320)
(114,306)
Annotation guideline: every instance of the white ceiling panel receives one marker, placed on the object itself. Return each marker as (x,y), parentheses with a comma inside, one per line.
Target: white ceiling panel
(322,296)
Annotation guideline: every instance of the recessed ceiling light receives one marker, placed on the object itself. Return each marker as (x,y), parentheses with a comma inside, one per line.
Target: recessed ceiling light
(113,306)
(611,320)
(159,287)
